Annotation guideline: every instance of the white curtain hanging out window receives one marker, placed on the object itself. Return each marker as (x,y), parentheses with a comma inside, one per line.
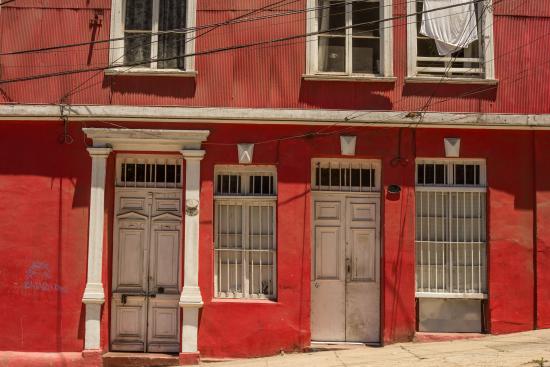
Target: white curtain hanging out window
(452,28)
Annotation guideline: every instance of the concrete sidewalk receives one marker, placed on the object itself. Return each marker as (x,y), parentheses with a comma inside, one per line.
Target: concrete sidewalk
(521,349)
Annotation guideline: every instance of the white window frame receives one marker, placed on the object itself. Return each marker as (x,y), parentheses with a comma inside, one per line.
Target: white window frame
(450,188)
(386,47)
(486,50)
(116,52)
(246,201)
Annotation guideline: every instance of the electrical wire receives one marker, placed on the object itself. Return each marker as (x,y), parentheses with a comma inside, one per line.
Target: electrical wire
(180,30)
(6,2)
(235,47)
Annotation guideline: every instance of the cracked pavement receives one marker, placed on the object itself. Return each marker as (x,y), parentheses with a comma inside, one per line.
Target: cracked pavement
(520,349)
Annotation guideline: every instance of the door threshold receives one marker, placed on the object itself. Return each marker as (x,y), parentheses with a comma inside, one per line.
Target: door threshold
(345,343)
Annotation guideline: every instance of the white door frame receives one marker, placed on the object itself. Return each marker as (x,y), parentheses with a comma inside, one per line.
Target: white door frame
(186,142)
(375,193)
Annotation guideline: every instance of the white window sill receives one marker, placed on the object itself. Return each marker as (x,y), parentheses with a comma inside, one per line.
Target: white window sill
(151,72)
(349,78)
(451,295)
(436,79)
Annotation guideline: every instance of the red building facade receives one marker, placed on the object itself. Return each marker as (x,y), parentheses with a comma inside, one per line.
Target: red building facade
(348,170)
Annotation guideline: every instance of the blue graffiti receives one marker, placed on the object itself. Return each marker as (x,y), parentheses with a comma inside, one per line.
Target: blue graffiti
(39,277)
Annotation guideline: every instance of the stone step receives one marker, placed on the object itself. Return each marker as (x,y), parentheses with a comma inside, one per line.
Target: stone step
(119,359)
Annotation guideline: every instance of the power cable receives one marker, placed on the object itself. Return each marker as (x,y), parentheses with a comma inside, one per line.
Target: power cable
(236,47)
(6,2)
(177,30)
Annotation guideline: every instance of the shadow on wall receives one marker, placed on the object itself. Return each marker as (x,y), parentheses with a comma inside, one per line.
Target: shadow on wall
(346,95)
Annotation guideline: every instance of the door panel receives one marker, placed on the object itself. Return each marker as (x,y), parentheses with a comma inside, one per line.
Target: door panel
(327,253)
(128,323)
(146,271)
(328,305)
(345,292)
(363,255)
(362,287)
(164,321)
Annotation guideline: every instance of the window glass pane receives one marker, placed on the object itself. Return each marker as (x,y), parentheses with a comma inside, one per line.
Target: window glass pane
(261,185)
(332,54)
(366,55)
(172,17)
(228,184)
(137,49)
(366,12)
(332,14)
(139,15)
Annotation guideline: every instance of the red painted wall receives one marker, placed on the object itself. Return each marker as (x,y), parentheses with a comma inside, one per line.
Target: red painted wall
(44,191)
(262,76)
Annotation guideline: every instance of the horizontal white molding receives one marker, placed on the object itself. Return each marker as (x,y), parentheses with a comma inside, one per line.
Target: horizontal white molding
(273,116)
(451,295)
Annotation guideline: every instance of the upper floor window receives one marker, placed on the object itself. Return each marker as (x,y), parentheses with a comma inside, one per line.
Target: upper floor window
(472,62)
(151,34)
(350,39)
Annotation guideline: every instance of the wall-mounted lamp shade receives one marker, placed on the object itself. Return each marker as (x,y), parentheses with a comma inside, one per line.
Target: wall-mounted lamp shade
(347,145)
(246,151)
(452,147)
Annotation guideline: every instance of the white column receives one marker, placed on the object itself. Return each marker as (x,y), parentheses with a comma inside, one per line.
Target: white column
(191,299)
(94,295)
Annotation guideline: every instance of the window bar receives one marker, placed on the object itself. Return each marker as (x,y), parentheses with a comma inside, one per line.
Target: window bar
(135,173)
(219,252)
(262,184)
(227,226)
(472,239)
(464,237)
(479,236)
(349,178)
(436,242)
(261,244)
(361,177)
(155,174)
(429,218)
(165,173)
(329,177)
(235,237)
(421,241)
(229,183)
(450,244)
(457,244)
(318,176)
(125,165)
(340,174)
(443,218)
(251,247)
(176,173)
(270,247)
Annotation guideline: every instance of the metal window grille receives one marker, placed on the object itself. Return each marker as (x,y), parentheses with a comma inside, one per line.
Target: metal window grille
(143,20)
(245,234)
(451,229)
(355,50)
(467,62)
(345,175)
(150,172)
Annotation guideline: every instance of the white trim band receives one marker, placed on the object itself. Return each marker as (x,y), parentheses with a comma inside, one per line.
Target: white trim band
(273,116)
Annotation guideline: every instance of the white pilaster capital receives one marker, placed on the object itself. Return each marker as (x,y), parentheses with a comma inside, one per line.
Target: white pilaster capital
(191,297)
(193,154)
(99,152)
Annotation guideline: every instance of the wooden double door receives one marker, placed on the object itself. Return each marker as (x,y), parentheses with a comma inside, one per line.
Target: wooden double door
(145,313)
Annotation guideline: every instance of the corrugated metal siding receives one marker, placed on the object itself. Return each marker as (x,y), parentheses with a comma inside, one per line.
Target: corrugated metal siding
(267,76)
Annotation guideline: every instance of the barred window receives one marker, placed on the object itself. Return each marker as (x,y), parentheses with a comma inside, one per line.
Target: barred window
(245,232)
(451,228)
(346,175)
(149,171)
